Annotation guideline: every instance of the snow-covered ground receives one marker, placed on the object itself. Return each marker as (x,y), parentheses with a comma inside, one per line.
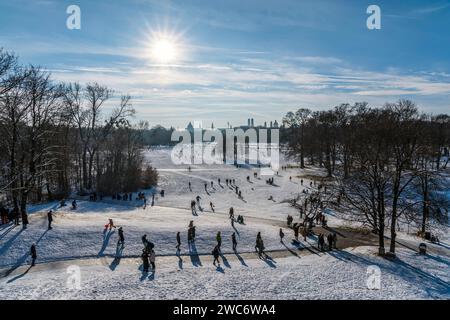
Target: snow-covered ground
(339,275)
(296,271)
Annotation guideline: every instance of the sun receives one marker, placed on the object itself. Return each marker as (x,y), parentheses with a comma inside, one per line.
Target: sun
(164,50)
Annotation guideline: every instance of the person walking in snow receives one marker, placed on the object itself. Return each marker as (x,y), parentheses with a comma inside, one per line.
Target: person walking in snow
(258,239)
(259,245)
(212,184)
(334,240)
(206,187)
(152,259)
(216,254)
(178,241)
(219,240)
(74,204)
(145,263)
(190,187)
(147,244)
(231,213)
(281,235)
(233,240)
(330,241)
(211,205)
(191,234)
(320,242)
(289,220)
(296,227)
(50,219)
(110,225)
(33,254)
(193,210)
(121,240)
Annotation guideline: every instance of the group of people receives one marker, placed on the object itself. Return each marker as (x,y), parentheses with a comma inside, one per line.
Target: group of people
(331,241)
(8,215)
(63,203)
(124,197)
(94,197)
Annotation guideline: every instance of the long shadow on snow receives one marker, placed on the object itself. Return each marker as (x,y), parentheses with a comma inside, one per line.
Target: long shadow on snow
(22,259)
(195,258)
(105,242)
(117,258)
(241,260)
(403,270)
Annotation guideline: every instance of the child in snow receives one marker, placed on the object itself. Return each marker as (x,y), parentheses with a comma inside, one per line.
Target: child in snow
(110,225)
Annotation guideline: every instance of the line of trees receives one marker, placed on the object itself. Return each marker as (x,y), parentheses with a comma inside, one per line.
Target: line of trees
(59,138)
(386,163)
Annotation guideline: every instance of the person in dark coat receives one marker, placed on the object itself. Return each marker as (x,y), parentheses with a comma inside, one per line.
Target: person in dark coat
(281,235)
(74,204)
(321,242)
(296,228)
(215,254)
(50,219)
(330,241)
(233,240)
(231,213)
(33,254)
(145,262)
(178,241)
(121,237)
(193,233)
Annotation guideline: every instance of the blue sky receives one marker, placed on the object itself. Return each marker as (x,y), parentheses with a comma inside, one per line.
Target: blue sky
(240,59)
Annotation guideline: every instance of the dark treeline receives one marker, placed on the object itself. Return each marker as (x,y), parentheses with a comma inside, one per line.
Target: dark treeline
(56,138)
(383,164)
(157,135)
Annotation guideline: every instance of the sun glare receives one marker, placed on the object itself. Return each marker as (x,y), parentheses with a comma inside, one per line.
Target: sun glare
(164,50)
